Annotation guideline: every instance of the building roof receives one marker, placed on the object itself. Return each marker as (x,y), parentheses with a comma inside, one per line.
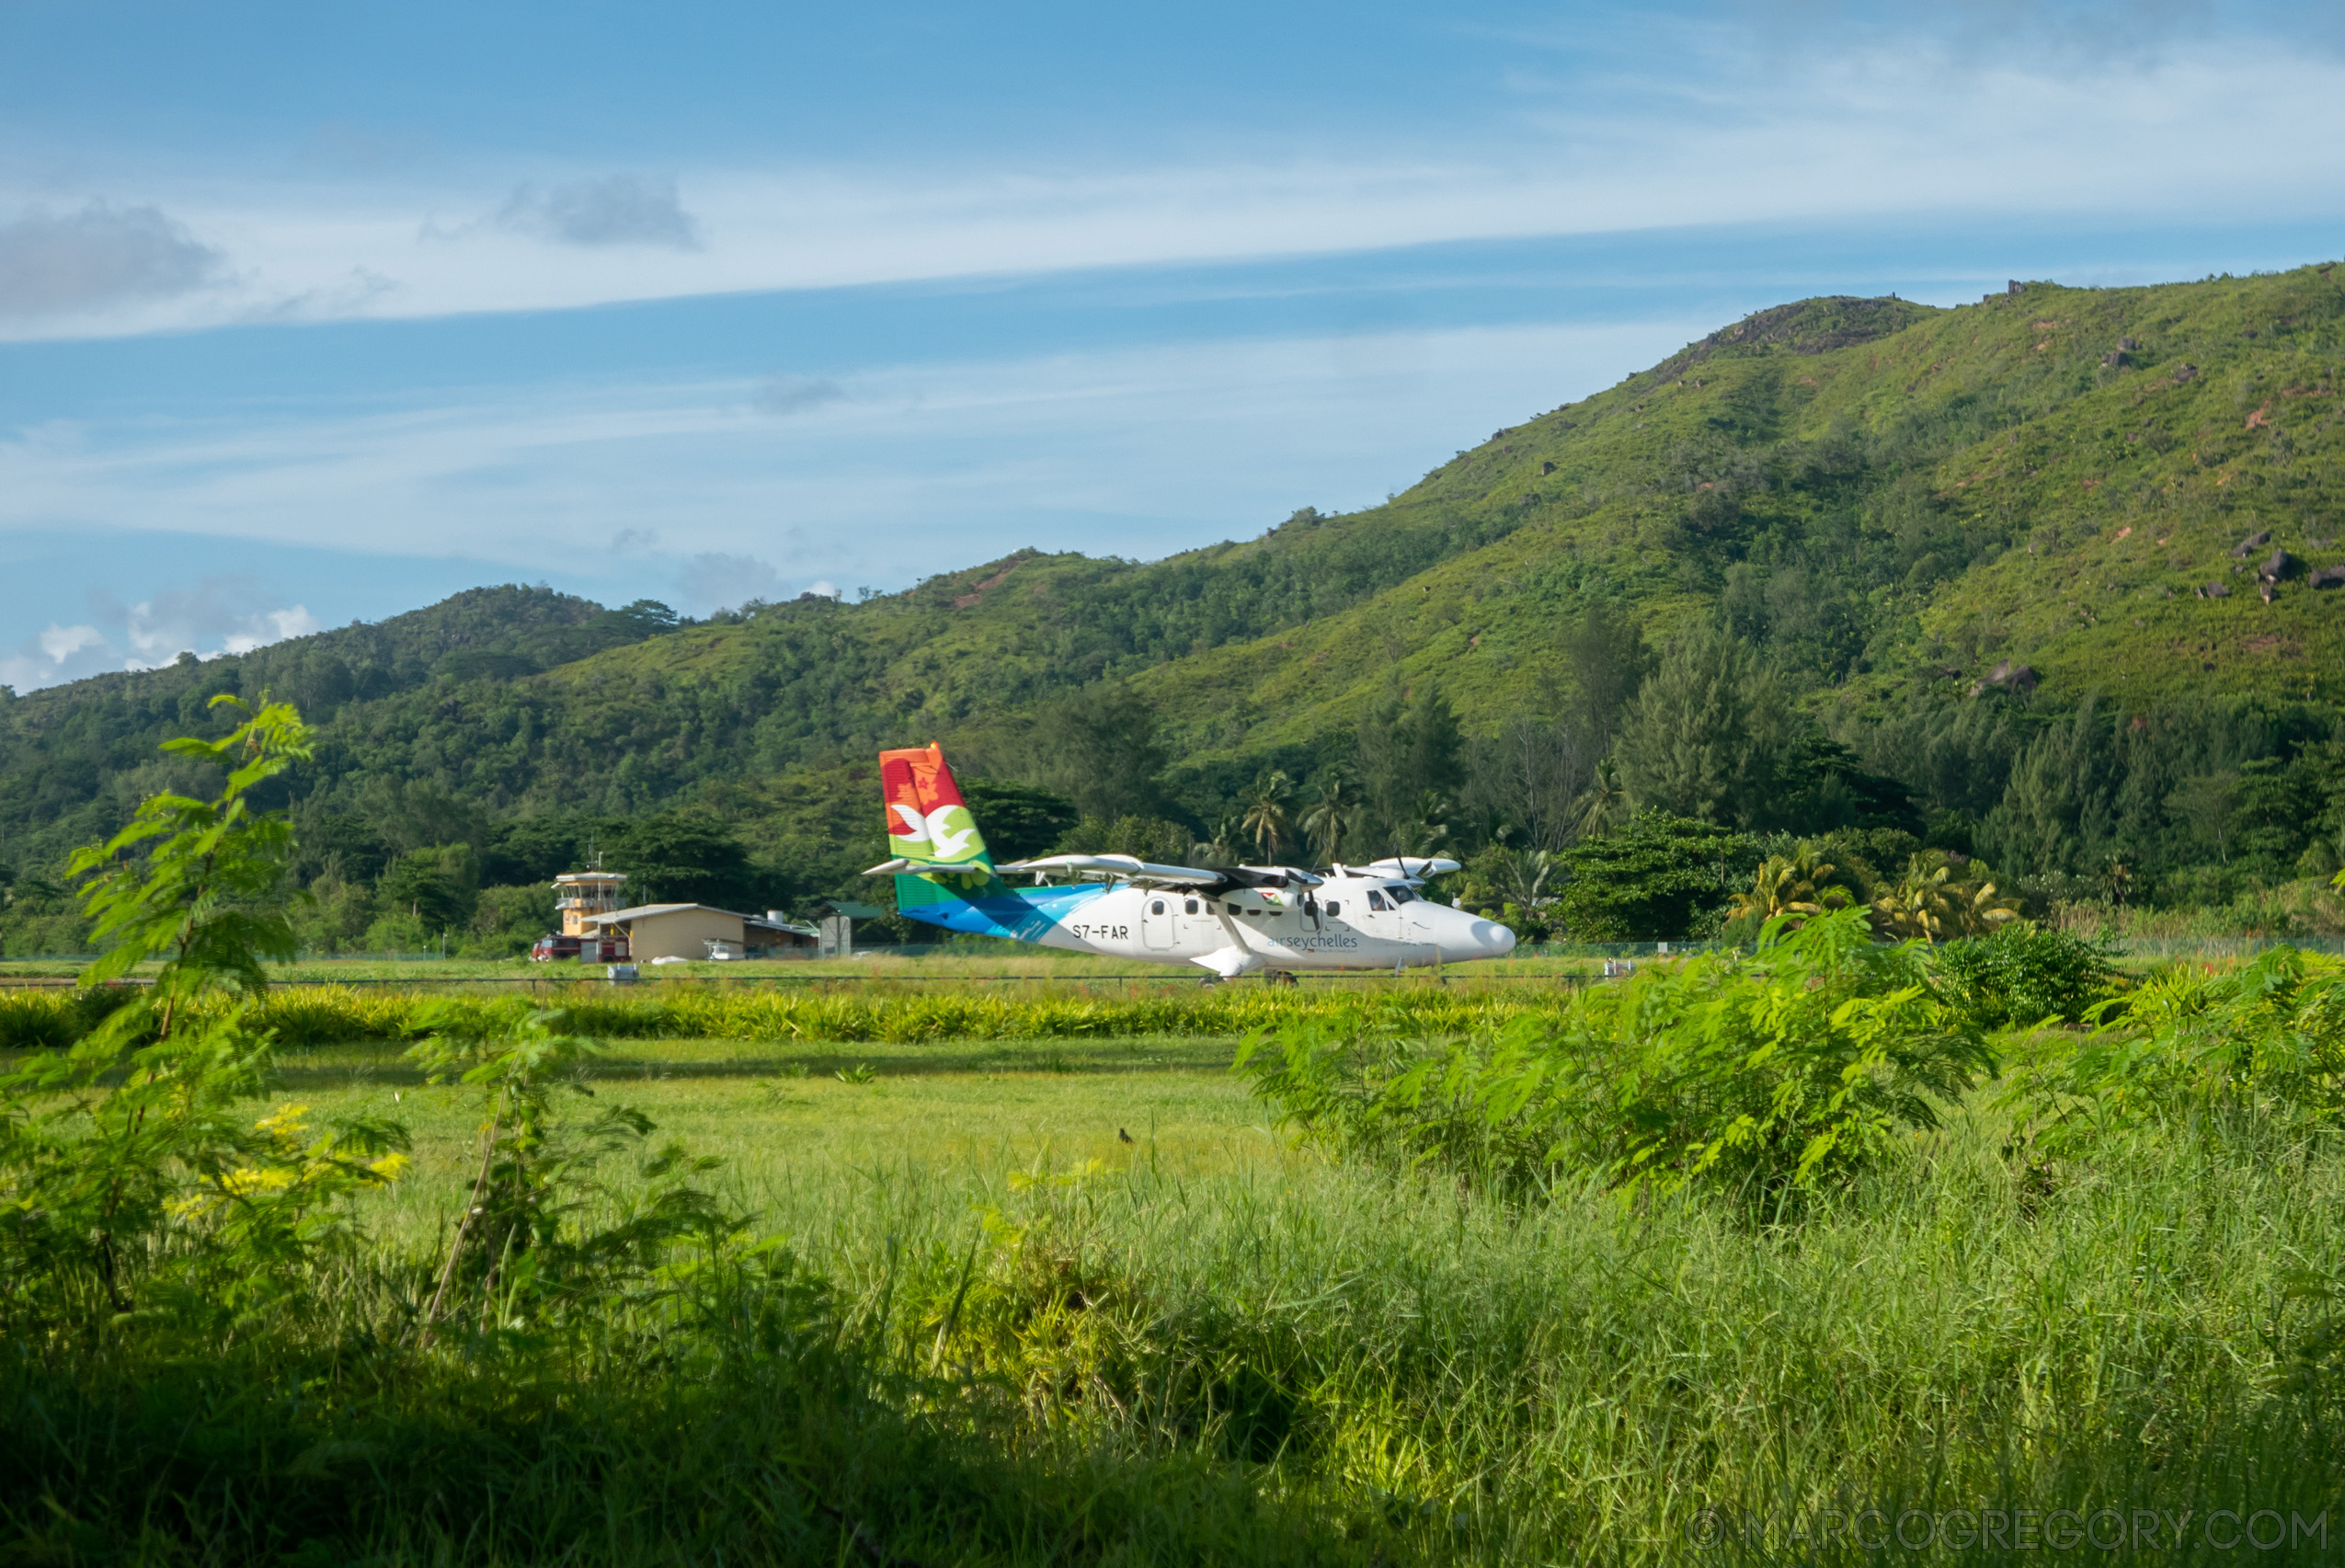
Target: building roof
(592,877)
(644,912)
(640,911)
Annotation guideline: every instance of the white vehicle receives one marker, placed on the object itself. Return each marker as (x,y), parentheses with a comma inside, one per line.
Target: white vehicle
(1273,920)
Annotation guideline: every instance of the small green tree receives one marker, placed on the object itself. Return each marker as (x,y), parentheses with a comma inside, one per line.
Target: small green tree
(542,1237)
(131,1171)
(1706,733)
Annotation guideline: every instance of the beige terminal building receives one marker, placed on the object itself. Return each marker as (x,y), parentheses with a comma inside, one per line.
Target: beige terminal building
(589,905)
(699,931)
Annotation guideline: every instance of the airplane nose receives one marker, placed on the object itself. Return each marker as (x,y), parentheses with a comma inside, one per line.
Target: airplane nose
(1492,939)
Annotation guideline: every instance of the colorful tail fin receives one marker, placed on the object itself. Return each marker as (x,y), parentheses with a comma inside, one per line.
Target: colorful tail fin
(929,826)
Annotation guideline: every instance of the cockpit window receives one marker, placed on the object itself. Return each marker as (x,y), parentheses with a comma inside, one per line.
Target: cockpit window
(1399,895)
(1376,899)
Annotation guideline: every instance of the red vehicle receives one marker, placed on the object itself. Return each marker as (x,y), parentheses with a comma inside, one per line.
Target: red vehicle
(610,949)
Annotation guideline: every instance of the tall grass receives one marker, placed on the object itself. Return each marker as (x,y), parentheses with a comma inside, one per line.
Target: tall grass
(1580,1380)
(1283,1357)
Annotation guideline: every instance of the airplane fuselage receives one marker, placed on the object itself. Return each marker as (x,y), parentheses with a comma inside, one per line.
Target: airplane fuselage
(1351,921)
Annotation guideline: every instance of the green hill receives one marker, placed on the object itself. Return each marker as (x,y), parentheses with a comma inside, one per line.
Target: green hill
(1885,500)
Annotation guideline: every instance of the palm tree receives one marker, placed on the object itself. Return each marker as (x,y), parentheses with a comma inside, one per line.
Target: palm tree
(1335,818)
(1603,803)
(1799,884)
(1427,827)
(1222,848)
(1265,813)
(1522,879)
(1940,897)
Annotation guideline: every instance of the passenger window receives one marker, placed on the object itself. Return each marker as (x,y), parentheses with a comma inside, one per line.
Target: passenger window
(1332,908)
(1189,907)
(1156,906)
(1376,899)
(1236,911)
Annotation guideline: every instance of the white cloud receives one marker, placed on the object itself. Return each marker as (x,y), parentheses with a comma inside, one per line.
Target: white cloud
(54,264)
(61,642)
(615,210)
(60,653)
(210,618)
(228,613)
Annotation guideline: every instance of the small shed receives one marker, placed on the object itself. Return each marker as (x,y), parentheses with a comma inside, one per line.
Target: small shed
(700,931)
(837,925)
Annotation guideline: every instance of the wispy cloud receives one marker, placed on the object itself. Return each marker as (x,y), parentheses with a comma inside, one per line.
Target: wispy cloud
(1696,123)
(716,581)
(616,210)
(783,396)
(65,264)
(1140,451)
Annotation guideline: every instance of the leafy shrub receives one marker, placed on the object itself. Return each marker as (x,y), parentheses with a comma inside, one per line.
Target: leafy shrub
(1794,1065)
(52,1020)
(1655,878)
(2027,973)
(2266,1038)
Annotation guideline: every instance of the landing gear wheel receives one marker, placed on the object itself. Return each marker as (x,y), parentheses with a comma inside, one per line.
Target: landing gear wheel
(1279,978)
(1210,981)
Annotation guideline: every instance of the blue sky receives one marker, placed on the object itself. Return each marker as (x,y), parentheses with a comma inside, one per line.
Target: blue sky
(310,315)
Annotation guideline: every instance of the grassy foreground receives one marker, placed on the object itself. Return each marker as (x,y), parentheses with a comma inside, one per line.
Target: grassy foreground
(1006,1334)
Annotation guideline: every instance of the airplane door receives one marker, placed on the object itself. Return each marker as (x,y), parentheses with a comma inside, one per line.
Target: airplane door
(1156,920)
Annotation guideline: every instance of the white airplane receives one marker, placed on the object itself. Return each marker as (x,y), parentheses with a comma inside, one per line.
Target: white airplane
(1270,919)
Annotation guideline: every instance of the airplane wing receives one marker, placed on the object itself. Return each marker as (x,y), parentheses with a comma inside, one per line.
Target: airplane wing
(1123,866)
(1410,868)
(891,867)
(1273,877)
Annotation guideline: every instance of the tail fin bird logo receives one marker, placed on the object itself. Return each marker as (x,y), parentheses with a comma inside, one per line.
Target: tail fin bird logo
(944,841)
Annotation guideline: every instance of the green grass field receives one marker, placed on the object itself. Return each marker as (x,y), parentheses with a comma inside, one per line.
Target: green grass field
(794,1133)
(1286,1356)
(1027,963)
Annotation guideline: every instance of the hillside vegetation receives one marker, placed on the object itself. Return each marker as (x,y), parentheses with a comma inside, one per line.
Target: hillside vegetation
(1869,507)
